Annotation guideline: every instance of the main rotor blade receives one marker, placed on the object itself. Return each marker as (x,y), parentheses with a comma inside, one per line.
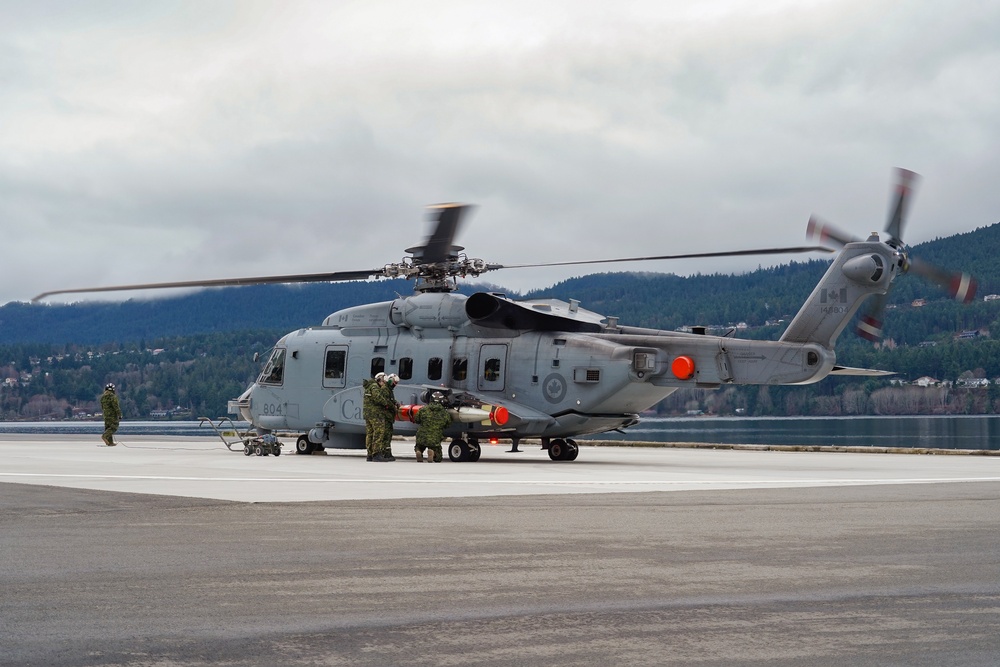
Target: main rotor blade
(438,246)
(823,232)
(225,282)
(960,286)
(905,182)
(729,253)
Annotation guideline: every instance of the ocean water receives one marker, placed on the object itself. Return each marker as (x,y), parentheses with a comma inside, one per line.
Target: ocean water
(941,432)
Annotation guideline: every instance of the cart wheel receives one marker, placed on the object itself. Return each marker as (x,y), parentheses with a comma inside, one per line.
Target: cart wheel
(247,449)
(258,450)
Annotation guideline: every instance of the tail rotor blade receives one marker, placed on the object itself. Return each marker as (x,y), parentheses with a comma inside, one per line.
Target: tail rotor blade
(960,286)
(905,182)
(869,326)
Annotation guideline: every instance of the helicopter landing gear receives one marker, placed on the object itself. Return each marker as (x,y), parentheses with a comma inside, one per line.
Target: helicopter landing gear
(563,450)
(303,446)
(572,450)
(460,450)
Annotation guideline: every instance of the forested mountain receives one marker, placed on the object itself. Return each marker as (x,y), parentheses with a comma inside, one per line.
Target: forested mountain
(195,351)
(285,307)
(642,299)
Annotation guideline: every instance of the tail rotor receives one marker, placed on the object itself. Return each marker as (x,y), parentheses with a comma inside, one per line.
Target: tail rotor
(960,286)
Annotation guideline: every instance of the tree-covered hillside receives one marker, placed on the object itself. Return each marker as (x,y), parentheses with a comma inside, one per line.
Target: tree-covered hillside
(195,351)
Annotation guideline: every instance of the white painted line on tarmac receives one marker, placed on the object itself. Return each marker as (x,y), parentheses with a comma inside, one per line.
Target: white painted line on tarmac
(529,482)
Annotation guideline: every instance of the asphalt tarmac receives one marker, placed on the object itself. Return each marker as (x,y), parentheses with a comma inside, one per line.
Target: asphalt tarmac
(179,552)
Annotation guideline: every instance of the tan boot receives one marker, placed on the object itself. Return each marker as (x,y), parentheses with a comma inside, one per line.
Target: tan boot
(420,455)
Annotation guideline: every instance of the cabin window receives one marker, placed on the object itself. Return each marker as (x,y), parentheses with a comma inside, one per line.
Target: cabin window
(491,370)
(460,369)
(336,361)
(405,368)
(335,367)
(274,370)
(378,365)
(435,367)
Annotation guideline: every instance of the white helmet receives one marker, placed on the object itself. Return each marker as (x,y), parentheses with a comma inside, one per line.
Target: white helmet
(393,378)
(380,377)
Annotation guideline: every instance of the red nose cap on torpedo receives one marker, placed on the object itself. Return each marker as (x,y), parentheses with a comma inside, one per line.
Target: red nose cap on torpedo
(499,415)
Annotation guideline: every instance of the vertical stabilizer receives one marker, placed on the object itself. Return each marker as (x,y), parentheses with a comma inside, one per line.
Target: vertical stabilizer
(862,269)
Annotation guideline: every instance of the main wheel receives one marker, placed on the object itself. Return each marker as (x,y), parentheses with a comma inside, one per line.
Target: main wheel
(458,450)
(303,446)
(475,451)
(557,450)
(572,450)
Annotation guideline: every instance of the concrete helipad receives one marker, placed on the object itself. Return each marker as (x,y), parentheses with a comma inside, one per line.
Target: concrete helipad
(205,468)
(178,552)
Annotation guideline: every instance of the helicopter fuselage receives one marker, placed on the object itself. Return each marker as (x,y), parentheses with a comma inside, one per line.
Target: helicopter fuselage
(559,370)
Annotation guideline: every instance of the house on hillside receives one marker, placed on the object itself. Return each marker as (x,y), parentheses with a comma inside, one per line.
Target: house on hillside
(926,381)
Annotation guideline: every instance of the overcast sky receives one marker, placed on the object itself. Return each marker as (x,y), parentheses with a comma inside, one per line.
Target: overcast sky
(156,141)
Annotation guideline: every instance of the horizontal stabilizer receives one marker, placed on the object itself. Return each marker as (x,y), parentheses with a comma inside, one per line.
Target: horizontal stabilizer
(870,372)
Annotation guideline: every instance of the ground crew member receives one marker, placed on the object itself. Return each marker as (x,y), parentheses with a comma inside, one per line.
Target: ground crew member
(112,414)
(432,419)
(371,408)
(389,408)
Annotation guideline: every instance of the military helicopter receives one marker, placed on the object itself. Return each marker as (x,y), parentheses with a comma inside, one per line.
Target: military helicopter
(544,369)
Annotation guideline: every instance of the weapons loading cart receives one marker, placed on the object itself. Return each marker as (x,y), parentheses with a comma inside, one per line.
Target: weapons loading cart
(250,442)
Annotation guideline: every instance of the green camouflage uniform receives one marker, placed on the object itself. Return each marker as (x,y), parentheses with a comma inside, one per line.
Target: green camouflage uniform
(433,419)
(389,407)
(373,420)
(112,415)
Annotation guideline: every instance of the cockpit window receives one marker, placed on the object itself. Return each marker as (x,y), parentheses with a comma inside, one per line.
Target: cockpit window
(274,370)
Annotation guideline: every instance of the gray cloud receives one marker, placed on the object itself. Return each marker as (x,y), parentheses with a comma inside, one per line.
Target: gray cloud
(175,141)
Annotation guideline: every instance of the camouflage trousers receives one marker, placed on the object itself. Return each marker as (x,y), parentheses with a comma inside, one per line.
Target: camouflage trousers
(373,436)
(378,436)
(109,431)
(433,449)
(387,436)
